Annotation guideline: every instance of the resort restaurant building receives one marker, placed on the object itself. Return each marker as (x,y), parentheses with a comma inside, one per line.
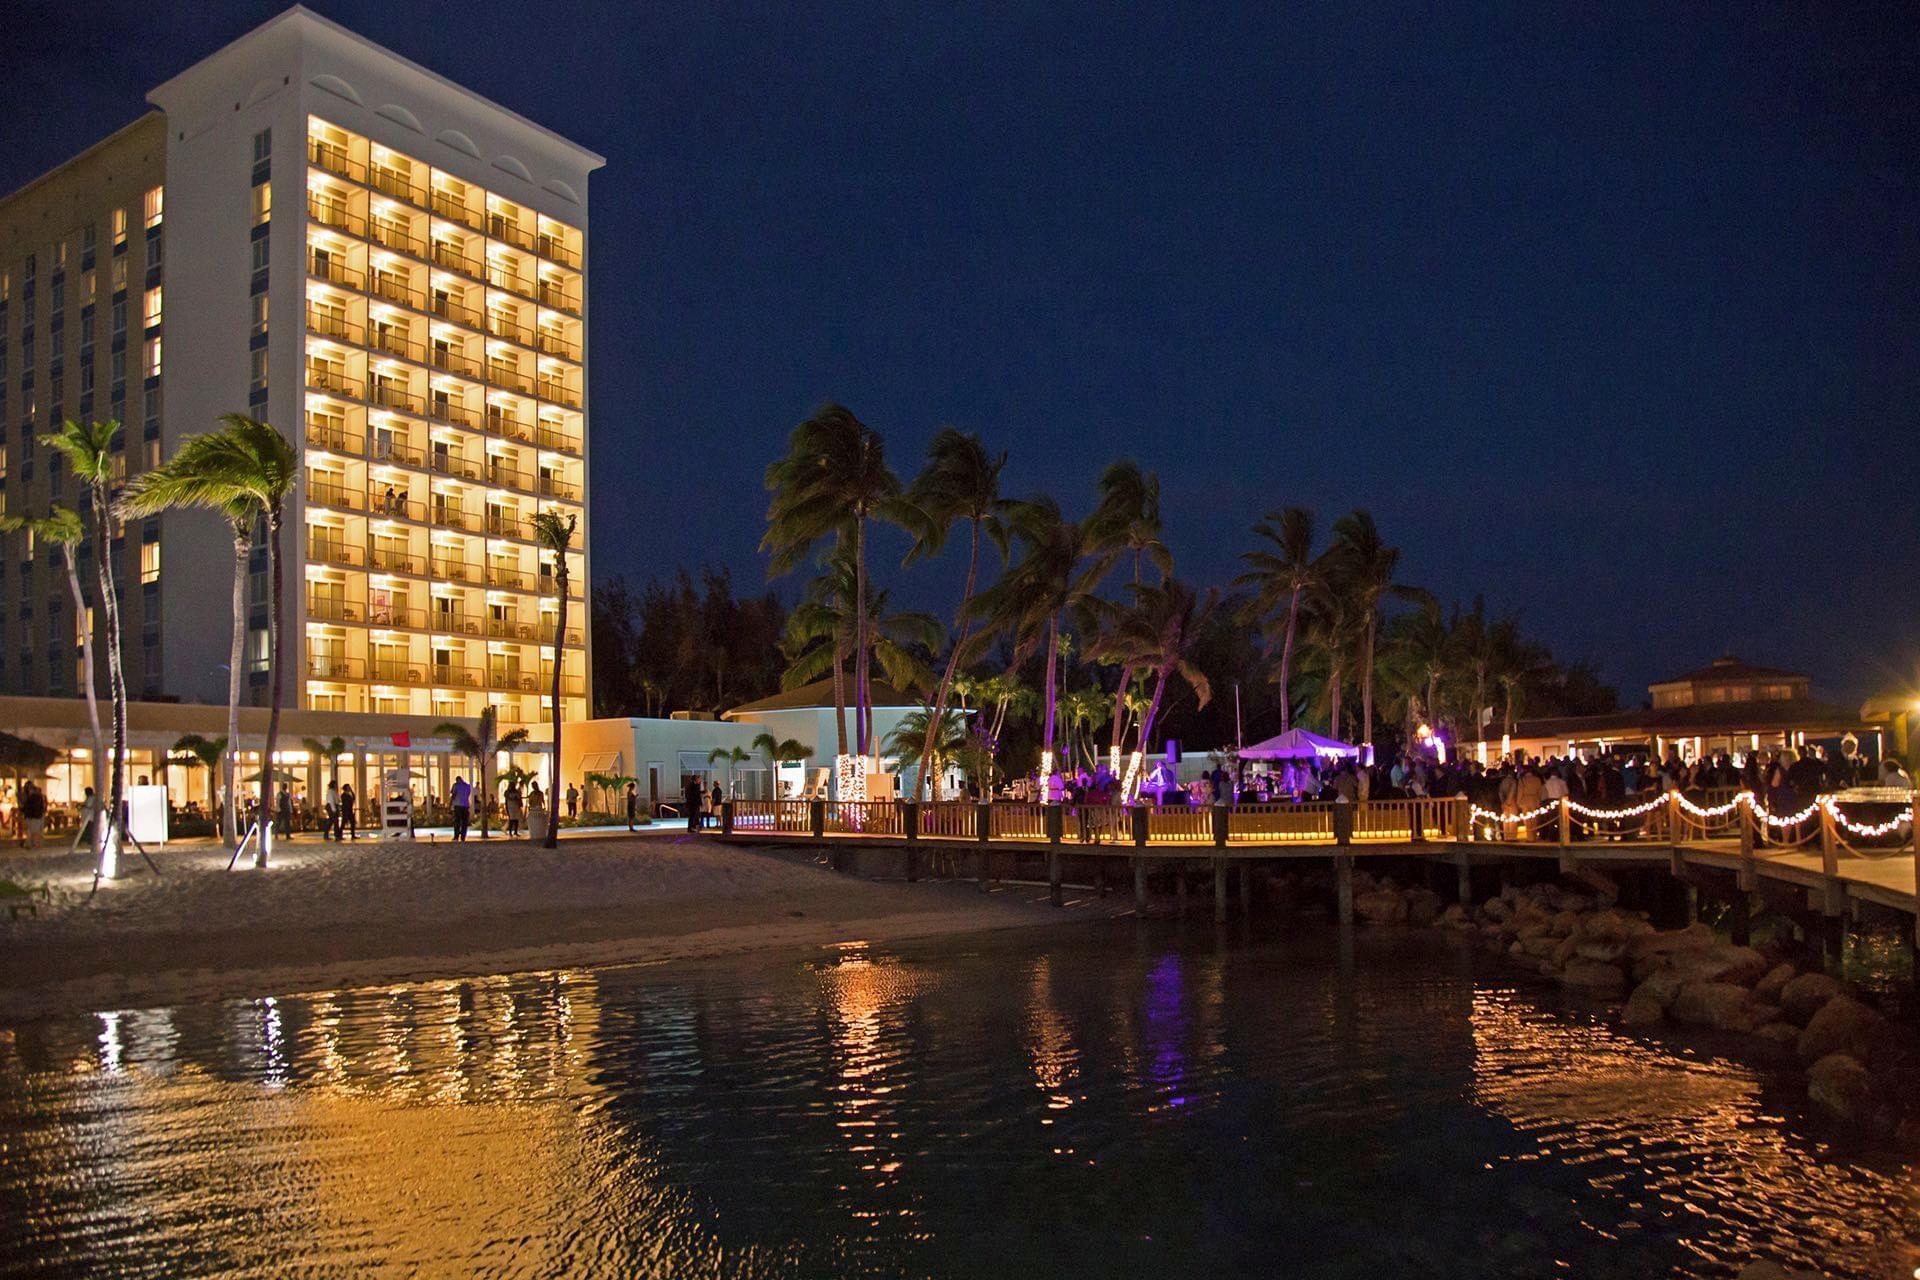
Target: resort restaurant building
(1729,706)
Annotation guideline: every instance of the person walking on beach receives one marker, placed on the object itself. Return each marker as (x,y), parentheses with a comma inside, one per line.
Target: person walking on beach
(331,830)
(573,802)
(33,813)
(694,796)
(346,828)
(633,803)
(283,813)
(461,797)
(516,807)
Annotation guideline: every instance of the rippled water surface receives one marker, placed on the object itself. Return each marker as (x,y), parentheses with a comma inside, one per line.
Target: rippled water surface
(1129,1100)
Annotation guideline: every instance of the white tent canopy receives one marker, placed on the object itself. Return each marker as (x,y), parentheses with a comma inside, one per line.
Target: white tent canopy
(1298,744)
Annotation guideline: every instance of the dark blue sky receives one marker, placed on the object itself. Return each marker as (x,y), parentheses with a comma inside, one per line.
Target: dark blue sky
(1609,312)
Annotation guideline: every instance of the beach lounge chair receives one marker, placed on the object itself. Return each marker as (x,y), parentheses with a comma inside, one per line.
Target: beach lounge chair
(24,898)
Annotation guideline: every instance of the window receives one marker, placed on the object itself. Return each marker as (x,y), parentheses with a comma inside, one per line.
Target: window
(260,254)
(119,365)
(119,228)
(119,275)
(90,289)
(153,307)
(153,357)
(149,562)
(259,313)
(88,236)
(262,202)
(258,372)
(262,145)
(59,255)
(120,318)
(155,200)
(151,450)
(153,252)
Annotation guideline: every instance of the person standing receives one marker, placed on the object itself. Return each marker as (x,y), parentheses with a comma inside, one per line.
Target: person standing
(573,802)
(461,798)
(283,813)
(33,813)
(331,830)
(516,807)
(695,796)
(347,828)
(633,803)
(536,812)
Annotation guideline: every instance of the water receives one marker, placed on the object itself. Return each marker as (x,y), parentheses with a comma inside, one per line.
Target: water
(1113,1101)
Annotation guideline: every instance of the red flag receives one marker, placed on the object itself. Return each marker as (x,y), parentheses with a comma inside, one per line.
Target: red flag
(403,739)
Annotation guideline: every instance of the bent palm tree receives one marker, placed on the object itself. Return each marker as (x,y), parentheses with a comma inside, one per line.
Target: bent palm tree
(1158,634)
(63,527)
(733,757)
(946,730)
(89,453)
(555,532)
(480,745)
(208,753)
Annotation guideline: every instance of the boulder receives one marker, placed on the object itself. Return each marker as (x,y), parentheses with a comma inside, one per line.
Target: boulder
(1662,985)
(1594,974)
(1455,917)
(1642,1009)
(1720,1005)
(1764,1270)
(1564,952)
(1666,942)
(1721,963)
(1774,982)
(1843,1025)
(1780,1033)
(1566,923)
(1423,906)
(1541,945)
(1380,906)
(1605,949)
(1839,1086)
(1803,996)
(1760,1015)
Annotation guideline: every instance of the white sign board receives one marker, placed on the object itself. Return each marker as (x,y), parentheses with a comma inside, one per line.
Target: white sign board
(147,814)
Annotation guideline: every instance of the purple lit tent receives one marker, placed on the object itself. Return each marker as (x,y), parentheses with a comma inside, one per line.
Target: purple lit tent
(1298,744)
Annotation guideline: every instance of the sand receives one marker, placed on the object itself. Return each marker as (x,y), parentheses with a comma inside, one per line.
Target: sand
(330,915)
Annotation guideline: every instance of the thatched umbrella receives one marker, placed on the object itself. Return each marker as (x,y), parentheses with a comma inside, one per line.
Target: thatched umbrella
(24,755)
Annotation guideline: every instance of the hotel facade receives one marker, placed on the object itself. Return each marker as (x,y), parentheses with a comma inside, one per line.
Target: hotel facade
(392,270)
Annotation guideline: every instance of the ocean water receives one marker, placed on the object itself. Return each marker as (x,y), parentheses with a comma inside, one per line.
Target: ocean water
(1132,1099)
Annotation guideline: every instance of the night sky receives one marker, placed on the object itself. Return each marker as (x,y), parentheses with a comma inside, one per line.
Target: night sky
(1608,312)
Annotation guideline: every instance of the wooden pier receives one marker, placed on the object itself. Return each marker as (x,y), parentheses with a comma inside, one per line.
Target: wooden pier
(1838,860)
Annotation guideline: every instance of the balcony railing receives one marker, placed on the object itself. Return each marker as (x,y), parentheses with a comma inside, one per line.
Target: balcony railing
(449,570)
(395,235)
(335,326)
(449,256)
(395,289)
(325,666)
(510,427)
(548,438)
(455,310)
(453,464)
(554,294)
(336,551)
(455,362)
(395,670)
(552,487)
(331,493)
(393,397)
(332,214)
(394,560)
(502,576)
(396,615)
(501,227)
(557,344)
(395,342)
(320,609)
(332,435)
(549,585)
(389,449)
(555,391)
(498,473)
(455,624)
(503,325)
(455,518)
(456,676)
(523,681)
(395,183)
(510,629)
(451,206)
(554,249)
(545,635)
(323,377)
(450,412)
(502,525)
(334,159)
(329,268)
(501,278)
(397,507)
(504,373)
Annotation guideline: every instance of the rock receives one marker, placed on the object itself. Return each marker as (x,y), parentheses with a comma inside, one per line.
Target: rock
(1455,917)
(1775,981)
(1803,996)
(1763,1270)
(1719,963)
(1423,906)
(1497,910)
(1642,1009)
(1607,950)
(1535,927)
(1564,952)
(1660,942)
(1542,945)
(1566,923)
(1518,951)
(1662,985)
(1760,1015)
(1720,1005)
(1843,1025)
(1594,974)
(1840,1086)
(1781,1033)
(1380,906)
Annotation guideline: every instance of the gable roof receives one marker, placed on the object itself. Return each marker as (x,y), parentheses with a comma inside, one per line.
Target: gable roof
(819,694)
(1732,668)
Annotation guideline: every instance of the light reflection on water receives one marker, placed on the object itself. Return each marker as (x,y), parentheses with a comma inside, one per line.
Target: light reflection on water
(1100,1102)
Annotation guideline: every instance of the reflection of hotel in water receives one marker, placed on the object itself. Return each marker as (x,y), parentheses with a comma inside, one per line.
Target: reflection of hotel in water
(392,270)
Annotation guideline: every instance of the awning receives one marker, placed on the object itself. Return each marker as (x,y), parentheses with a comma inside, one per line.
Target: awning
(1298,744)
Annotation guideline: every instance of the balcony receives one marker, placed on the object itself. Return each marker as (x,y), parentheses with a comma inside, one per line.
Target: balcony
(553,293)
(447,569)
(326,666)
(455,518)
(449,412)
(501,278)
(543,684)
(557,344)
(329,213)
(390,449)
(509,629)
(509,427)
(506,477)
(549,438)
(448,255)
(334,325)
(554,487)
(506,576)
(397,182)
(334,159)
(455,362)
(545,635)
(324,266)
(554,249)
(504,373)
(395,289)
(455,624)
(323,377)
(324,610)
(502,324)
(548,587)
(502,524)
(396,343)
(332,435)
(393,397)
(448,205)
(396,615)
(501,227)
(520,681)
(456,676)
(453,464)
(394,560)
(394,235)
(335,551)
(555,391)
(327,492)
(395,670)
(389,502)
(459,312)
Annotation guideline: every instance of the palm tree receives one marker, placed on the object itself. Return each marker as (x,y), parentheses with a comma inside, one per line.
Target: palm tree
(89,452)
(1330,628)
(328,752)
(555,532)
(1158,634)
(782,750)
(1030,598)
(833,479)
(63,527)
(961,481)
(1517,665)
(1473,654)
(1420,645)
(611,785)
(209,753)
(1126,519)
(1083,711)
(821,631)
(946,730)
(1286,572)
(244,471)
(1363,569)
(733,757)
(480,745)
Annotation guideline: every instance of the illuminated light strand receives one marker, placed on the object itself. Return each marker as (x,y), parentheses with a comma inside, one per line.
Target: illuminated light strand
(1717,811)
(1793,821)
(1609,814)
(1869,831)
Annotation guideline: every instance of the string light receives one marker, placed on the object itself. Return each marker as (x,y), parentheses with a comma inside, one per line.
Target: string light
(1870,832)
(1827,803)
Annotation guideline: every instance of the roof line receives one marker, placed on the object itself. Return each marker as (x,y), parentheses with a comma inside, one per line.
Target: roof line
(149,114)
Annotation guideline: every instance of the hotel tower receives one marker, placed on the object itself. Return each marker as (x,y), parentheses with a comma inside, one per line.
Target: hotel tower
(390,269)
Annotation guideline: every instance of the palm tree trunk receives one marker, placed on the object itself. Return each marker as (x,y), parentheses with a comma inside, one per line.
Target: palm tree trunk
(93,701)
(1479,700)
(1286,663)
(1334,681)
(553,764)
(276,680)
(953,666)
(840,691)
(116,671)
(1366,692)
(1153,708)
(1053,656)
(236,658)
(860,694)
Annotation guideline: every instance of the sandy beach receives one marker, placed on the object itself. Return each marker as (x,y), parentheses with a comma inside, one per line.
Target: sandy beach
(329,915)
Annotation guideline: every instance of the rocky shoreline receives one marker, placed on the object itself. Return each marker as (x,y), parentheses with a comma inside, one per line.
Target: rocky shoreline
(1860,1068)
